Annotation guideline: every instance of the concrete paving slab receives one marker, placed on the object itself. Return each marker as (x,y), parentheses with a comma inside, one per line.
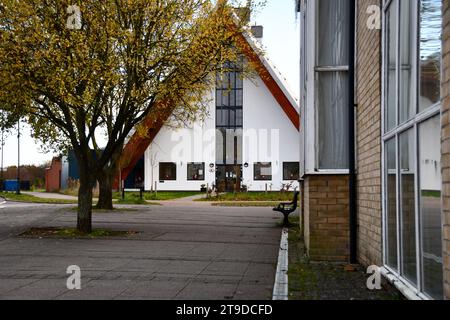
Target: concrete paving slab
(179,253)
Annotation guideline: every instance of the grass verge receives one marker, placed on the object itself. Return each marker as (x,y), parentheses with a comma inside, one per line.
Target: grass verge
(160,196)
(32,199)
(267,204)
(74,233)
(253,196)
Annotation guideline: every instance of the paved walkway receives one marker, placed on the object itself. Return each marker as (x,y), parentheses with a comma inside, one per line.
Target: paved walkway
(50,195)
(180,253)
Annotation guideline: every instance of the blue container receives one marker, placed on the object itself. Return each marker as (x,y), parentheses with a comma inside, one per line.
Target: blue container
(10,185)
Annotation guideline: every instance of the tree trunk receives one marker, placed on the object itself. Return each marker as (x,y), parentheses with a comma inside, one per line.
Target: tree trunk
(105,180)
(84,221)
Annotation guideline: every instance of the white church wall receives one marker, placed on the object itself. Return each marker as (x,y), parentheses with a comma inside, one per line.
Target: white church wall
(269,136)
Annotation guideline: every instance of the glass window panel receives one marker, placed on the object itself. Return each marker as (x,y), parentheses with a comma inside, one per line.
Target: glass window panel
(430,206)
(262,171)
(196,171)
(407,43)
(239,82)
(430,52)
(220,146)
(333,32)
(239,118)
(167,171)
(232,98)
(239,140)
(408,206)
(333,120)
(230,147)
(225,98)
(239,98)
(291,171)
(391,205)
(391,67)
(232,119)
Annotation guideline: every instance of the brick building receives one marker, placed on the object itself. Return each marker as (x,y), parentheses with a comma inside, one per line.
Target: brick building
(386,201)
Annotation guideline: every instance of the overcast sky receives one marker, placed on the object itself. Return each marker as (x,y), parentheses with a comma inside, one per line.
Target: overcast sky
(281,39)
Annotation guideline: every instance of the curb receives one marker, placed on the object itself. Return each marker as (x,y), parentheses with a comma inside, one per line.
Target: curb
(280,288)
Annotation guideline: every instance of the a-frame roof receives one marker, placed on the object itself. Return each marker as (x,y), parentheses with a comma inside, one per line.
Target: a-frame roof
(273,79)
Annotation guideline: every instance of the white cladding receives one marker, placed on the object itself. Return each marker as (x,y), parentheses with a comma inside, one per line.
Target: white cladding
(269,136)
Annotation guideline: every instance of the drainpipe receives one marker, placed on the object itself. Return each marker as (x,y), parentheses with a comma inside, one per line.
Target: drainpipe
(351,142)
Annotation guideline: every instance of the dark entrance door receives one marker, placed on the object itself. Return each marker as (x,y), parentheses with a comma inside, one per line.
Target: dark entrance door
(228,178)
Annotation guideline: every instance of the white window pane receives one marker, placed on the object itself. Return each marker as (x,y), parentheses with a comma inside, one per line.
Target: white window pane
(333,120)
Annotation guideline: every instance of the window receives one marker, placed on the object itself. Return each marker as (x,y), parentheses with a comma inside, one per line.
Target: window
(196,171)
(430,53)
(430,206)
(167,171)
(332,83)
(229,146)
(291,171)
(229,96)
(411,143)
(263,171)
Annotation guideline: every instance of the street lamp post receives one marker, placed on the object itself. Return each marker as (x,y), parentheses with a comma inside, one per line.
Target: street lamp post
(18,156)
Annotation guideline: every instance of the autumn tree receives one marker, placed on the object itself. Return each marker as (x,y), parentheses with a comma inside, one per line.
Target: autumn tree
(82,69)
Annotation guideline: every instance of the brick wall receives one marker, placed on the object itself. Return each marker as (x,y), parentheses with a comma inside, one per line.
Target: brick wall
(326,217)
(445,150)
(368,91)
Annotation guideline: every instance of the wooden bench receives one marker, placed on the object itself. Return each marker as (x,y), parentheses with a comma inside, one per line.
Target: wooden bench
(140,190)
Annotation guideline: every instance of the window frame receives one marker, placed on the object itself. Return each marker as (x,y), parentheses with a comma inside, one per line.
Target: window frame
(317,70)
(395,133)
(308,92)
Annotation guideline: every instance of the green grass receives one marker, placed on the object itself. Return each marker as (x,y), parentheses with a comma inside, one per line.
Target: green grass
(267,204)
(73,233)
(132,198)
(160,196)
(253,196)
(32,199)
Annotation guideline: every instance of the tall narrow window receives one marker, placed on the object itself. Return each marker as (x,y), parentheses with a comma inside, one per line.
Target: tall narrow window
(332,90)
(430,52)
(391,204)
(408,210)
(430,206)
(391,66)
(407,104)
